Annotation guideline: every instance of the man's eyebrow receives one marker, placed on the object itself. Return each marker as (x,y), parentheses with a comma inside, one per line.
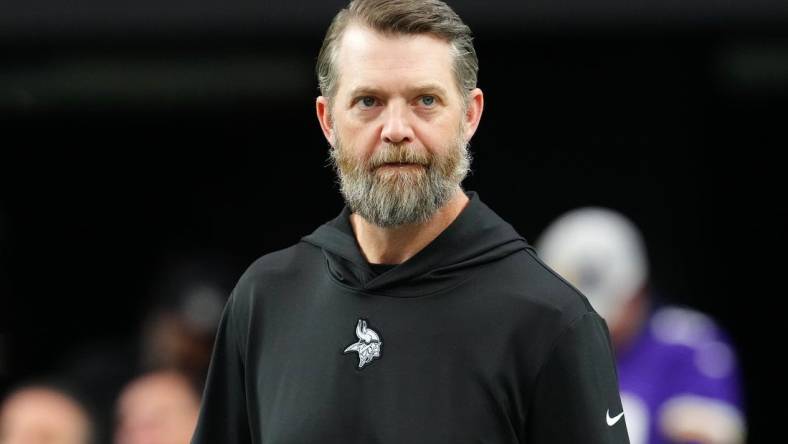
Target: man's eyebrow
(430,88)
(365,91)
(420,89)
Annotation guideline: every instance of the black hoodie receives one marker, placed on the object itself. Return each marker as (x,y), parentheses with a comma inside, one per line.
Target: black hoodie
(472,340)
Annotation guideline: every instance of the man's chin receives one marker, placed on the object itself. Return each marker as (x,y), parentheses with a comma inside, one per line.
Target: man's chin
(404,185)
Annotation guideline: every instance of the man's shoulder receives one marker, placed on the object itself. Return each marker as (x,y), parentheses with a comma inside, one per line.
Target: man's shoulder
(281,265)
(285,261)
(538,289)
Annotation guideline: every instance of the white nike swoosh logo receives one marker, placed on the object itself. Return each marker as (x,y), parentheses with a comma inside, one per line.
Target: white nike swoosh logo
(612,421)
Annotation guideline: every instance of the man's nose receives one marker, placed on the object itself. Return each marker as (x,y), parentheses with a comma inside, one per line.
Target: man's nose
(396,126)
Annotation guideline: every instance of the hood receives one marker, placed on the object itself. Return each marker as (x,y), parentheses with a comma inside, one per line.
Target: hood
(476,237)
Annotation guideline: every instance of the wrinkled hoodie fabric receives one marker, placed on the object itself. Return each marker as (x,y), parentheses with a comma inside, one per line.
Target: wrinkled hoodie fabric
(472,340)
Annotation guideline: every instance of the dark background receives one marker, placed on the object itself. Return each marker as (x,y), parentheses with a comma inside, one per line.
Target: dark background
(139,136)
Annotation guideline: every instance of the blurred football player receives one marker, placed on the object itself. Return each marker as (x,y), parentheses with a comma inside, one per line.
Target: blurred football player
(678,374)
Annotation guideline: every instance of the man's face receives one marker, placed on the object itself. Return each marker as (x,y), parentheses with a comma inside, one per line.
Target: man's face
(38,415)
(160,408)
(397,126)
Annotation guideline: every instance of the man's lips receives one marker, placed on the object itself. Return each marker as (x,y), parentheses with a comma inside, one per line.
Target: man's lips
(400,165)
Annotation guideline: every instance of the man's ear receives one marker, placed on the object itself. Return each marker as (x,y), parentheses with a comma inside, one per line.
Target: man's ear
(323,109)
(473,113)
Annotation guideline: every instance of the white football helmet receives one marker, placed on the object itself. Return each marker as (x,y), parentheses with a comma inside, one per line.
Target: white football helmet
(601,253)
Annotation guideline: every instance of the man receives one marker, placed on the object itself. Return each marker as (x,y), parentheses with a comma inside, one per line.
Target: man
(43,413)
(159,407)
(679,376)
(417,315)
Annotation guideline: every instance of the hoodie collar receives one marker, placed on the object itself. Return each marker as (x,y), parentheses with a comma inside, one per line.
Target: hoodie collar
(477,236)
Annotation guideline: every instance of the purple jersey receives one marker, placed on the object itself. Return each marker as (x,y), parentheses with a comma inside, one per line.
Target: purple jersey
(680,358)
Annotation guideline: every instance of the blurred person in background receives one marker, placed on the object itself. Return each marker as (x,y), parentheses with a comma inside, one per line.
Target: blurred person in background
(678,373)
(44,413)
(178,333)
(161,406)
(157,408)
(175,333)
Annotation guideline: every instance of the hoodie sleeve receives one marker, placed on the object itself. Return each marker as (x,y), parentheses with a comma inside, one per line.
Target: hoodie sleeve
(576,398)
(223,413)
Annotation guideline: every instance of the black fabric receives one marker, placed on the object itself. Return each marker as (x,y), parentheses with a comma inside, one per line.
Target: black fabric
(381,268)
(479,342)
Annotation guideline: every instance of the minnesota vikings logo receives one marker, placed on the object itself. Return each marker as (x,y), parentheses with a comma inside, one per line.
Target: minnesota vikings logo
(368,345)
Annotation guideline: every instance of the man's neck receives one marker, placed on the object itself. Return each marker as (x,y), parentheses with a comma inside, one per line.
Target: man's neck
(398,244)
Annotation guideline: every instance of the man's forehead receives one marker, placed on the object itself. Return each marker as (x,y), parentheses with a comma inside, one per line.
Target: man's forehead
(359,31)
(365,56)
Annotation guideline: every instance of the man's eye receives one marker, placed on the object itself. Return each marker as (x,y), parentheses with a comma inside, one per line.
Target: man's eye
(427,100)
(368,102)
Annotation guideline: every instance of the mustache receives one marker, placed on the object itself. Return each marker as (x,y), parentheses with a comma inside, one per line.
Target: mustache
(399,153)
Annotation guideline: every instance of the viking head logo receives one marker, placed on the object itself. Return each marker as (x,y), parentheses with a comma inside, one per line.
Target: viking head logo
(368,345)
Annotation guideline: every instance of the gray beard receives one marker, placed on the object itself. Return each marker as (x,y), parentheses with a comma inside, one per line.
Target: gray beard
(392,197)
